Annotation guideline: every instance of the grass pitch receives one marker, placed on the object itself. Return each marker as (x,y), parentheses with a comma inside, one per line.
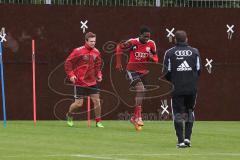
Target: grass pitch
(54,140)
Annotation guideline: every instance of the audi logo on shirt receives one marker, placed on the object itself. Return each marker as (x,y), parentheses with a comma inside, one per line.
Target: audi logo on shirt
(183,53)
(140,55)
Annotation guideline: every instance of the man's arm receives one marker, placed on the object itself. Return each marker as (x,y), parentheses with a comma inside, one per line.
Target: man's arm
(68,66)
(167,66)
(121,47)
(153,50)
(98,67)
(198,65)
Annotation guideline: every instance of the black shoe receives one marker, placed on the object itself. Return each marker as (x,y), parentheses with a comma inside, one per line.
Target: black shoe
(187,142)
(181,145)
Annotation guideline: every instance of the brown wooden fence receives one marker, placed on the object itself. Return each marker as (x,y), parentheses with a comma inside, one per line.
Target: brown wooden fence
(57,31)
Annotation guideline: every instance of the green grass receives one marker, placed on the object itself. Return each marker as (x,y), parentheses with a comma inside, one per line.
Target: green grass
(53,140)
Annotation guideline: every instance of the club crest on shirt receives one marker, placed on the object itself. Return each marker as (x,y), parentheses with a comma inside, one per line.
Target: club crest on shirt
(147,49)
(134,47)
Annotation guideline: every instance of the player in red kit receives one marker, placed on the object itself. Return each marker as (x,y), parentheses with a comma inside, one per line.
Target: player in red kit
(141,50)
(83,67)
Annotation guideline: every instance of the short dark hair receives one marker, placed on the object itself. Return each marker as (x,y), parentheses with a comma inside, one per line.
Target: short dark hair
(144,29)
(89,35)
(181,36)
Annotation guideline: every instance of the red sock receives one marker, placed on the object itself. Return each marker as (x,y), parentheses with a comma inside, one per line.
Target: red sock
(138,112)
(98,119)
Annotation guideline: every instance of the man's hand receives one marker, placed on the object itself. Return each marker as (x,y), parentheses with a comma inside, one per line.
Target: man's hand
(153,57)
(73,79)
(99,79)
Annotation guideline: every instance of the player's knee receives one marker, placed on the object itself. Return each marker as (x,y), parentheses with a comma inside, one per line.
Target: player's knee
(178,117)
(78,103)
(140,88)
(96,103)
(140,92)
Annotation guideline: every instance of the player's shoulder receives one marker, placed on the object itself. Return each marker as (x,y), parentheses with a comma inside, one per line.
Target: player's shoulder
(151,41)
(195,50)
(170,50)
(79,48)
(96,50)
(133,40)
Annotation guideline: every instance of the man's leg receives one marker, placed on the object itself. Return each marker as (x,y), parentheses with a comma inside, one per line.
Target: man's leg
(97,108)
(137,84)
(177,106)
(190,104)
(73,107)
(138,102)
(139,93)
(78,95)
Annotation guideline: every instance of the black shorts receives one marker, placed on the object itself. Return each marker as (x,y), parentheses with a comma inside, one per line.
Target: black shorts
(183,103)
(135,77)
(81,92)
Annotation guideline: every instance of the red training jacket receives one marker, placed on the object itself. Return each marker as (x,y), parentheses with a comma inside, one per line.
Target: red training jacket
(85,63)
(139,54)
